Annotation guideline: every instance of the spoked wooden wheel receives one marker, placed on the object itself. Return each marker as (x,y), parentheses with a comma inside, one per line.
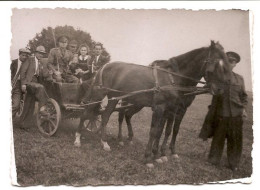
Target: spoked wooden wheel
(48,120)
(94,125)
(20,111)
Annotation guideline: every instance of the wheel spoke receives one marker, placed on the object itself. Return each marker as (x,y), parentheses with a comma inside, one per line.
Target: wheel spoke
(49,127)
(53,124)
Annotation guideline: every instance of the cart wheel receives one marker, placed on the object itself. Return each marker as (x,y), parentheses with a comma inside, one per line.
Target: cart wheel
(20,111)
(94,125)
(48,122)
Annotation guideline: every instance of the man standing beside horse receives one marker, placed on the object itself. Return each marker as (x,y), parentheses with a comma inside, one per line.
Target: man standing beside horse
(225,118)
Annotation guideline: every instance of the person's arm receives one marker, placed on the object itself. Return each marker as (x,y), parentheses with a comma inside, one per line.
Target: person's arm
(243,97)
(23,74)
(243,94)
(51,59)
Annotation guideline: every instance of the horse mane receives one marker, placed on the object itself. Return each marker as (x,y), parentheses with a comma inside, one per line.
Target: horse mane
(186,59)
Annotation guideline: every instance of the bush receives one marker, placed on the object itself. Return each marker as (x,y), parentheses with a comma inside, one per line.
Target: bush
(48,36)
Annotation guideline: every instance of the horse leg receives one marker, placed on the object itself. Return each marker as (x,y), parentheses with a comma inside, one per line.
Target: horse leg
(157,141)
(78,132)
(156,119)
(121,115)
(128,116)
(105,117)
(179,116)
(168,132)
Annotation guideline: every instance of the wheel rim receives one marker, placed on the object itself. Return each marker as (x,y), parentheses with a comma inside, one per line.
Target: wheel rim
(19,113)
(48,122)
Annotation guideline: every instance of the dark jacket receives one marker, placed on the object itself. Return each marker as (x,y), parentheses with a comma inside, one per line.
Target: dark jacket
(229,104)
(211,119)
(234,100)
(58,59)
(13,68)
(96,65)
(28,70)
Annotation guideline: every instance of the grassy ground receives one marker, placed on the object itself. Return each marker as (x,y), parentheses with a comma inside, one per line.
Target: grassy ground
(55,160)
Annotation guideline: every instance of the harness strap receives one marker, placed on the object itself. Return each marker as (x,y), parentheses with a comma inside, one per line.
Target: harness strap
(157,85)
(155,75)
(101,75)
(171,78)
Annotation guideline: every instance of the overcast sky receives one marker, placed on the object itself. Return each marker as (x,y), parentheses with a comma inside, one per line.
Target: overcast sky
(142,36)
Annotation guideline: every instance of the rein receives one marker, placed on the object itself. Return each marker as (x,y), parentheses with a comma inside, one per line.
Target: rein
(189,90)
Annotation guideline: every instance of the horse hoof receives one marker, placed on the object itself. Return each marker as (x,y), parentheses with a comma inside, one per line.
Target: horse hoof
(121,143)
(77,144)
(149,165)
(175,156)
(159,161)
(164,158)
(106,147)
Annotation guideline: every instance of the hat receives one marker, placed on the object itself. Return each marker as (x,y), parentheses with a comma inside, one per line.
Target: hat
(62,38)
(73,42)
(40,49)
(24,50)
(234,56)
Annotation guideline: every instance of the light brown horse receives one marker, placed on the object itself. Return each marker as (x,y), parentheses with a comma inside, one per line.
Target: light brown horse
(119,78)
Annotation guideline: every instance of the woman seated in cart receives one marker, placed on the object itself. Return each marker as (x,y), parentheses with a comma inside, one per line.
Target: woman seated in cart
(96,62)
(80,64)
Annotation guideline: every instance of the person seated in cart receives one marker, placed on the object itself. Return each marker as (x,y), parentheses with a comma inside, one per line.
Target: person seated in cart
(97,60)
(80,67)
(15,67)
(94,64)
(73,45)
(59,60)
(33,74)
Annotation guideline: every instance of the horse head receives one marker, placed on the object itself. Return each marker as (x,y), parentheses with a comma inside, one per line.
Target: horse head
(217,71)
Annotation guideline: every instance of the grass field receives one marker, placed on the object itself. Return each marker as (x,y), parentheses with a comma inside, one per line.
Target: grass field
(55,160)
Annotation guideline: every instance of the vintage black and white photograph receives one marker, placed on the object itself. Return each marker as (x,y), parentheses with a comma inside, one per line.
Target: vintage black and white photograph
(131,97)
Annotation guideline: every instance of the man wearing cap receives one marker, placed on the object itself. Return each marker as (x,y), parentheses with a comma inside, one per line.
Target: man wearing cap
(33,74)
(59,60)
(16,66)
(229,110)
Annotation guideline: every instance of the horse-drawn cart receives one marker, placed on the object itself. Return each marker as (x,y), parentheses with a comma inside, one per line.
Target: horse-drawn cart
(63,104)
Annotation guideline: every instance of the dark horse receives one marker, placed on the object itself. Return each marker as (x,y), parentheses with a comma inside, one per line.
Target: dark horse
(173,113)
(154,90)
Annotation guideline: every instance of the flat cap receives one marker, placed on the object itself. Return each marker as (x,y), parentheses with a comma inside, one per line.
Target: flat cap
(234,56)
(40,49)
(24,50)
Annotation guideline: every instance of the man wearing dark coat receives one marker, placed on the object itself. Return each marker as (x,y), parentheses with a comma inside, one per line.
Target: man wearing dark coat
(225,119)
(97,61)
(33,74)
(16,66)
